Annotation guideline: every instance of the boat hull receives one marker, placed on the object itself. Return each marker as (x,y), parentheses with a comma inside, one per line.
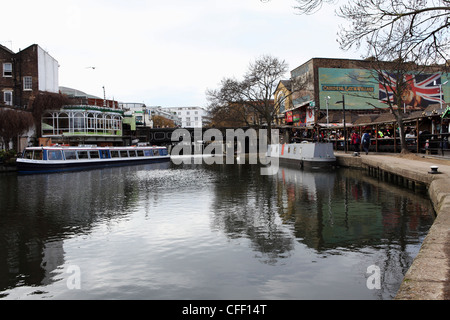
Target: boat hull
(60,159)
(34,167)
(304,154)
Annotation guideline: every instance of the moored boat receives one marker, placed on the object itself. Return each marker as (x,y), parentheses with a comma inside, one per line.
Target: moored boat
(61,158)
(313,154)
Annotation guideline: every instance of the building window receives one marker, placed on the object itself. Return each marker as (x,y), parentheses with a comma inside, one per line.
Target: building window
(7,69)
(8,98)
(27,83)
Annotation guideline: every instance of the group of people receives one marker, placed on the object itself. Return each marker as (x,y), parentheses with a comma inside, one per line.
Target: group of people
(357,141)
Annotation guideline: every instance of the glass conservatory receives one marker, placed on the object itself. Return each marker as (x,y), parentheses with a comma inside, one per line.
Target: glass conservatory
(82,121)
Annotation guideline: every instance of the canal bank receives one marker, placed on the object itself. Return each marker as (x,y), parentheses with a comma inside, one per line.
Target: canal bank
(428,278)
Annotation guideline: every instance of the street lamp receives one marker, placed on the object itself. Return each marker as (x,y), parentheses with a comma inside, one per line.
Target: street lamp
(327,98)
(345,130)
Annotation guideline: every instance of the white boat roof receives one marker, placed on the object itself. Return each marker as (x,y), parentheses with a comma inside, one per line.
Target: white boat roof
(95,147)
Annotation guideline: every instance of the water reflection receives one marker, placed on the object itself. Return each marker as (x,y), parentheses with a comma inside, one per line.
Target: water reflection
(40,211)
(166,231)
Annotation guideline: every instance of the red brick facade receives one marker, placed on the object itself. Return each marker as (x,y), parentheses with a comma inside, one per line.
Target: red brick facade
(24,80)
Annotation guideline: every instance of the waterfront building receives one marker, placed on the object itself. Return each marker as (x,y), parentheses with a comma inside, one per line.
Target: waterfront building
(191,117)
(82,124)
(283,99)
(165,113)
(317,88)
(78,97)
(329,98)
(143,114)
(25,74)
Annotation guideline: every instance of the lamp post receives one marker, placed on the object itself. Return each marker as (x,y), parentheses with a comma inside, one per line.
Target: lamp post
(440,100)
(104,97)
(345,130)
(327,98)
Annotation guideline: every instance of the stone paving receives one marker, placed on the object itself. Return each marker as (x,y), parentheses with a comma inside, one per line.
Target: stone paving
(428,278)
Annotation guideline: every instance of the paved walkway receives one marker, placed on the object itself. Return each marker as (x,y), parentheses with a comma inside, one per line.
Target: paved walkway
(428,278)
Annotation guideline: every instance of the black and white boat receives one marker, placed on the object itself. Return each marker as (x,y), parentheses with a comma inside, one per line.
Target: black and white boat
(312,154)
(62,158)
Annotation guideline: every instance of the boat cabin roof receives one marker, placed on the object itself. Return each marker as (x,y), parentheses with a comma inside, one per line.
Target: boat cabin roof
(94,147)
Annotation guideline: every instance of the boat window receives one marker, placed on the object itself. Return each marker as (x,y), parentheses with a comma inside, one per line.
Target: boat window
(28,154)
(94,154)
(140,153)
(156,152)
(54,155)
(104,154)
(132,153)
(114,154)
(70,155)
(83,155)
(37,155)
(123,153)
(148,153)
(164,152)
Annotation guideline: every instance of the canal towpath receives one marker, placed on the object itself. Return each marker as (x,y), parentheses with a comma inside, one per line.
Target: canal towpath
(428,278)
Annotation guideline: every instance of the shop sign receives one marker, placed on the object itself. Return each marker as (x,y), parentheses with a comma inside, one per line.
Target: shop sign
(289,117)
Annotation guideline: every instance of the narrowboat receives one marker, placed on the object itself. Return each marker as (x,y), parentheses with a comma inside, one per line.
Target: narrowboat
(62,158)
(312,154)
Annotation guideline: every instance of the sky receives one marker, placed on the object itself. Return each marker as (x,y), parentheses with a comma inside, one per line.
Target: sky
(166,53)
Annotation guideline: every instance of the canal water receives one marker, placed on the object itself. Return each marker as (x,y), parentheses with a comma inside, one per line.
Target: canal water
(171,231)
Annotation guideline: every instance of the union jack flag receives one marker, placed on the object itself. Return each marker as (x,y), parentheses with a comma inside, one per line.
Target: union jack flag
(422,87)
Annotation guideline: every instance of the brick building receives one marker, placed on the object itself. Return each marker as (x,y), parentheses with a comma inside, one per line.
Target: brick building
(324,83)
(25,74)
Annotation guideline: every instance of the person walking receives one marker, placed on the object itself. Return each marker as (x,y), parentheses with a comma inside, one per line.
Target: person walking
(356,141)
(366,142)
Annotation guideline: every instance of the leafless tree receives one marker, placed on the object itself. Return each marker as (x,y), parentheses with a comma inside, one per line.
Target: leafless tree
(396,79)
(420,28)
(250,101)
(13,123)
(417,28)
(254,94)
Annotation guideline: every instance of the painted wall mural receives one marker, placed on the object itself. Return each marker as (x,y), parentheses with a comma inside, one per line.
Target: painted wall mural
(363,91)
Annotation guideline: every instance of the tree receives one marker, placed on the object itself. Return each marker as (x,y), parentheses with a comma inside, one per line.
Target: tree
(408,33)
(13,123)
(417,28)
(420,28)
(396,80)
(162,122)
(251,97)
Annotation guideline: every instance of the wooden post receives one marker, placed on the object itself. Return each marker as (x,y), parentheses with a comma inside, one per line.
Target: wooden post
(417,136)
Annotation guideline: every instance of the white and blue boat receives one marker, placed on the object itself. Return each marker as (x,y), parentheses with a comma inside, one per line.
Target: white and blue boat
(62,158)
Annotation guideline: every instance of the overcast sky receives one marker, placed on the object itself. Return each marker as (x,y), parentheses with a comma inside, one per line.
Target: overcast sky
(166,53)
